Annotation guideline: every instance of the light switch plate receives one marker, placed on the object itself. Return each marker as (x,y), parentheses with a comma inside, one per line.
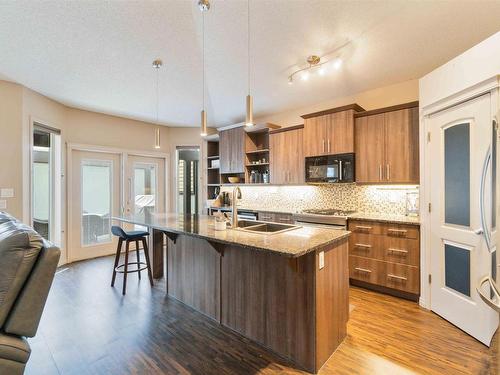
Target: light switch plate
(3,204)
(321,259)
(6,193)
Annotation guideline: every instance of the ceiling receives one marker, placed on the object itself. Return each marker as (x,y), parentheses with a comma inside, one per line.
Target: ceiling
(97,55)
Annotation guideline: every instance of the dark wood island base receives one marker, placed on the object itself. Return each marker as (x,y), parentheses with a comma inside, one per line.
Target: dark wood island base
(287,304)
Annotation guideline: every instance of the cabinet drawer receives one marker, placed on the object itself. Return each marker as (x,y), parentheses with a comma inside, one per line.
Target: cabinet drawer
(283,218)
(402,277)
(401,250)
(266,216)
(392,230)
(391,275)
(387,248)
(365,245)
(363,269)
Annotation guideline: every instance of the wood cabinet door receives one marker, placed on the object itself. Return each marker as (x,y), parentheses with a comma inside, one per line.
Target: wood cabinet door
(315,135)
(401,146)
(295,156)
(340,139)
(277,157)
(369,148)
(225,151)
(237,140)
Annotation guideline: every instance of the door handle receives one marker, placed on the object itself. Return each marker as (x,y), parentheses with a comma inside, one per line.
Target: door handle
(380,172)
(341,177)
(323,146)
(494,305)
(329,146)
(482,210)
(388,172)
(479,231)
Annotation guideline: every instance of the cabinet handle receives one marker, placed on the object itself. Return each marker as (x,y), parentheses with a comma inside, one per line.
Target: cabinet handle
(323,146)
(388,172)
(391,276)
(362,270)
(329,146)
(362,227)
(399,251)
(380,172)
(397,231)
(362,245)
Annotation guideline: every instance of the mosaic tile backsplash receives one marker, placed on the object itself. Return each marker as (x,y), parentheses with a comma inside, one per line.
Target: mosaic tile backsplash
(362,198)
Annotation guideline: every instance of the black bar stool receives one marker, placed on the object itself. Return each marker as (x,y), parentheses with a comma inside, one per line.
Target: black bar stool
(130,236)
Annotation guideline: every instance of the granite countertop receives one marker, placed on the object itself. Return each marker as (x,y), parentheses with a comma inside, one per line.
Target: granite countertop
(386,218)
(293,243)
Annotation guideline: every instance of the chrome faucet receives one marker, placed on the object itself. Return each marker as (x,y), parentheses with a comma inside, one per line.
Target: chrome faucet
(235,196)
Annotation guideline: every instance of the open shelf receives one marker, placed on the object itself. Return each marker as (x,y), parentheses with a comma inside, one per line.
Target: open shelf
(256,165)
(262,151)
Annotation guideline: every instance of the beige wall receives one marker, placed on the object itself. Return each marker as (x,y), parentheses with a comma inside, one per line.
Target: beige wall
(11,117)
(386,96)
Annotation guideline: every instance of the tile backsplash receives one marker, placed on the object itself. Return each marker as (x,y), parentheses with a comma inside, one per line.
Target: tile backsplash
(388,199)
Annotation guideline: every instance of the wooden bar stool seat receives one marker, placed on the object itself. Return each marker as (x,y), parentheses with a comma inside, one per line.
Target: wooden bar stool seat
(130,236)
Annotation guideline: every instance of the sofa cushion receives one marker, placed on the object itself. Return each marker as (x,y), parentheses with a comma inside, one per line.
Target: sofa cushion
(14,348)
(19,249)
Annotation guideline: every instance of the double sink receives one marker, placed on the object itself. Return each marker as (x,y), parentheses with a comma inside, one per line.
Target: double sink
(253,226)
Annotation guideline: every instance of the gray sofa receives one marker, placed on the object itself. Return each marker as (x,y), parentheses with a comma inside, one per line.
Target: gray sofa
(27,267)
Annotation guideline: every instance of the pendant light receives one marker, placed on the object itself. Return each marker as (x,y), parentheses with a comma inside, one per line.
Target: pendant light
(157,65)
(204,6)
(249,101)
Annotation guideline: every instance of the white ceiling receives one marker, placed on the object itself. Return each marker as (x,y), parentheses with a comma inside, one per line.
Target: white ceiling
(97,55)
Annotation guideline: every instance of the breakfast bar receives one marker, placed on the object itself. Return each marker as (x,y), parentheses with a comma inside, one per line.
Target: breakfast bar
(287,291)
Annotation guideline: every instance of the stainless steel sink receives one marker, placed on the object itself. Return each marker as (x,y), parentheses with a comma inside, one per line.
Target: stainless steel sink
(264,227)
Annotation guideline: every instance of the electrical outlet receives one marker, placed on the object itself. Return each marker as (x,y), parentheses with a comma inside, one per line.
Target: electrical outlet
(6,193)
(321,259)
(3,204)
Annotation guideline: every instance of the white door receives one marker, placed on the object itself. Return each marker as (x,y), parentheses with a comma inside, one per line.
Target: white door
(94,197)
(145,190)
(460,141)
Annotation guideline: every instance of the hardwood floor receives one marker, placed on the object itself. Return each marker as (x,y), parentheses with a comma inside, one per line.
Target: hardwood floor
(90,328)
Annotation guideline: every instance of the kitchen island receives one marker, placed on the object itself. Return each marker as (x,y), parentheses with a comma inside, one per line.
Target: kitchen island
(287,291)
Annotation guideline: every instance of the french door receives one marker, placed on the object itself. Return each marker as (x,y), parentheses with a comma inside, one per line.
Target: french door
(95,197)
(105,185)
(461,212)
(145,186)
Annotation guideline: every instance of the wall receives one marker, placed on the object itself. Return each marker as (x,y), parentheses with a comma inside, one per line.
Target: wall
(11,104)
(386,96)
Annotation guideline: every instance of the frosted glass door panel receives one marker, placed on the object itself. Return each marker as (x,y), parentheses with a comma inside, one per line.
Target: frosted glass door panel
(457,269)
(457,174)
(96,202)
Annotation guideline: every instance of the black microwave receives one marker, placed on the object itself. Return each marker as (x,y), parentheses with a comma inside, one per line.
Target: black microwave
(330,168)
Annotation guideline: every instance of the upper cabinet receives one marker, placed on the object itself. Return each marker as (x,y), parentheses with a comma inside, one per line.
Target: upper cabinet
(286,156)
(387,145)
(232,150)
(330,132)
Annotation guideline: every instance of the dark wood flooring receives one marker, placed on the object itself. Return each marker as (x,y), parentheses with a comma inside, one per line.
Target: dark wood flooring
(90,328)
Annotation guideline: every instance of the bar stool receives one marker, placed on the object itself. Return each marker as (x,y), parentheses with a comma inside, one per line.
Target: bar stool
(130,236)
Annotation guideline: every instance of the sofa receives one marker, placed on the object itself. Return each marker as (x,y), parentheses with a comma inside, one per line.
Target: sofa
(27,267)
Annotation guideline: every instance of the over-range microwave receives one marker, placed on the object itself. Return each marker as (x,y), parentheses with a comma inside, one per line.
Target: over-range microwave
(330,168)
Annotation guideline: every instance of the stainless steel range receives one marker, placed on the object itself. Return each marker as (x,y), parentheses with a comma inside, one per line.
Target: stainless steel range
(330,218)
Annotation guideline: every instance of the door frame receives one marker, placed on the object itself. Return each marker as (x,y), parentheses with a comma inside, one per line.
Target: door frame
(201,174)
(123,155)
(488,86)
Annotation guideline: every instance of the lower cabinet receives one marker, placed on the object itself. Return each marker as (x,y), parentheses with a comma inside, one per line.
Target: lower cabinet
(386,257)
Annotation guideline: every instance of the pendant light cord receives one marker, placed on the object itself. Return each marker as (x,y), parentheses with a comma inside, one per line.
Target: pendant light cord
(248,43)
(203,58)
(157,92)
